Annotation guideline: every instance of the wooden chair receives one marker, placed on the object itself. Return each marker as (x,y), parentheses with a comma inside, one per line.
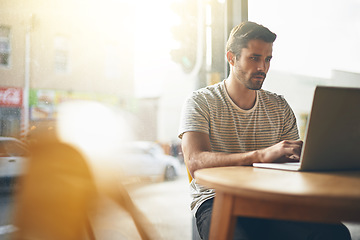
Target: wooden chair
(195,233)
(56,193)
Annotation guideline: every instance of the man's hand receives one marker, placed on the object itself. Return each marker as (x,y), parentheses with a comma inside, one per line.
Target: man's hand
(198,153)
(284,151)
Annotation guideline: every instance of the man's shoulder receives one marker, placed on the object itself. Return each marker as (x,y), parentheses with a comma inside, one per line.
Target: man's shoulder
(215,90)
(211,88)
(271,95)
(271,99)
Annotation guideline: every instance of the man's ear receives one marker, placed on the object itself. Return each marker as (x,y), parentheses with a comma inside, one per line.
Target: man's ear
(231,58)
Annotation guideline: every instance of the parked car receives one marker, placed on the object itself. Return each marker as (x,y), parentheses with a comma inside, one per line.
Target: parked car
(145,159)
(13,157)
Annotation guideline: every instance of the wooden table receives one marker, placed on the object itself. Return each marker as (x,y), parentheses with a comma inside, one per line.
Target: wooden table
(279,194)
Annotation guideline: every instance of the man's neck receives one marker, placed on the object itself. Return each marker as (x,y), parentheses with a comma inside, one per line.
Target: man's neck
(243,97)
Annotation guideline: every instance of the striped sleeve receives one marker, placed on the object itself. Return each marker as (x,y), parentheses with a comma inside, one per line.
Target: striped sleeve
(195,115)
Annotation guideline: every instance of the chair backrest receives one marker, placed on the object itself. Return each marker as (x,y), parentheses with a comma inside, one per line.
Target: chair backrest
(54,194)
(188,173)
(57,191)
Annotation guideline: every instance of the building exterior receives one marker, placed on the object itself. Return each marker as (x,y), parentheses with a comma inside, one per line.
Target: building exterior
(59,50)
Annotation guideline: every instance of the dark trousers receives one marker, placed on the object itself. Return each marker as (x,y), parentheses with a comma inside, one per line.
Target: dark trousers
(266,229)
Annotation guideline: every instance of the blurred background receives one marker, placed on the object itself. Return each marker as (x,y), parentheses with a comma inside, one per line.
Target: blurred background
(114,72)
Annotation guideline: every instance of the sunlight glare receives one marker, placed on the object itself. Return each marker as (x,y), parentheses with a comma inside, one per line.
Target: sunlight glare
(93,127)
(153,43)
(154,21)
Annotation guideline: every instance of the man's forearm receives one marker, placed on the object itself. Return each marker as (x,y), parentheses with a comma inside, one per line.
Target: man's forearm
(206,159)
(281,152)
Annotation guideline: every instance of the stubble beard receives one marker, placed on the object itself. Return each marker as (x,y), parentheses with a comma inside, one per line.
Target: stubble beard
(252,83)
(256,84)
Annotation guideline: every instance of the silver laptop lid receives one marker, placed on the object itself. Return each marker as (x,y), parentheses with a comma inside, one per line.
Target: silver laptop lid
(332,140)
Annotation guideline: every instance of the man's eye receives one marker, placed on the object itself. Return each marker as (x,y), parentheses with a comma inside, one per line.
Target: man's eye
(268,59)
(254,58)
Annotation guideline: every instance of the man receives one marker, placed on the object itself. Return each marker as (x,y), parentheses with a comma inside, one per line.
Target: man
(235,122)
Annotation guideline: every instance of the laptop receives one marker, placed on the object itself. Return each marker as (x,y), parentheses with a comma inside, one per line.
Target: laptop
(332,139)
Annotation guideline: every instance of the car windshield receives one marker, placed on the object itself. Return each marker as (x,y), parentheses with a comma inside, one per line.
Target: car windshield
(12,148)
(2,150)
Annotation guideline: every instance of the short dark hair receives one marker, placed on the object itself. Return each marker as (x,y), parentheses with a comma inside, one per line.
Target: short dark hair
(246,31)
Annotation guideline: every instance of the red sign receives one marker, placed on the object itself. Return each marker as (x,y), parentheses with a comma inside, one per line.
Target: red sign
(11,97)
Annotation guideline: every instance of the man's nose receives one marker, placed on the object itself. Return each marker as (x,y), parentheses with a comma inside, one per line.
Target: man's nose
(261,66)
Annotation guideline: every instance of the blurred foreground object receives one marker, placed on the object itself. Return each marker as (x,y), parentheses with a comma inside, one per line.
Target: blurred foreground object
(55,193)
(61,185)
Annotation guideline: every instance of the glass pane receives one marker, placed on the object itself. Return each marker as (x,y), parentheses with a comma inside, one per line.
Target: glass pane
(317,44)
(97,74)
(4,45)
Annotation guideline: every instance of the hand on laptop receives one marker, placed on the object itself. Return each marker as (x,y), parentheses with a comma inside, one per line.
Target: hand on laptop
(284,151)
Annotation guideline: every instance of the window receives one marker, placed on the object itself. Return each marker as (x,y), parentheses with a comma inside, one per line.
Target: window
(314,37)
(317,44)
(5,48)
(61,61)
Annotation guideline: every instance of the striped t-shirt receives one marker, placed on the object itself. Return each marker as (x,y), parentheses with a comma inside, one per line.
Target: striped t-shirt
(233,130)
